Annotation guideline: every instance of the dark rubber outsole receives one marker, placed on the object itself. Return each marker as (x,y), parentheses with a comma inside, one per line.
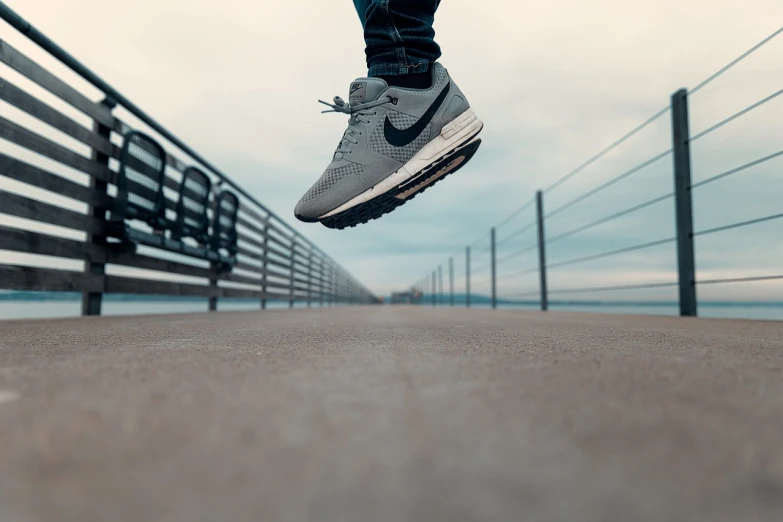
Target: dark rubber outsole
(385,203)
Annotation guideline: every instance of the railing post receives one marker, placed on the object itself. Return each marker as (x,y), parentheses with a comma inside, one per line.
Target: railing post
(264,265)
(542,251)
(320,282)
(327,278)
(336,284)
(292,260)
(95,262)
(440,285)
(492,265)
(451,281)
(434,290)
(332,285)
(467,277)
(683,203)
(323,281)
(213,281)
(310,278)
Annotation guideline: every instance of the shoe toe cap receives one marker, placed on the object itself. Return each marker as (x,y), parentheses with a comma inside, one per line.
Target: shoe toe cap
(308,211)
(320,200)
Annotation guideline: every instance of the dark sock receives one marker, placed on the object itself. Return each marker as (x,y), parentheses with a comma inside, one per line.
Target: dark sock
(410,81)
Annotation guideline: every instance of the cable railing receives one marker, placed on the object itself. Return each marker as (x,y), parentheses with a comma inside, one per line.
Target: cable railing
(515,268)
(607,184)
(652,119)
(736,170)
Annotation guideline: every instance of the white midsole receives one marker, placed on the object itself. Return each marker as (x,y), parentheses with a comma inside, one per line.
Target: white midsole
(461,128)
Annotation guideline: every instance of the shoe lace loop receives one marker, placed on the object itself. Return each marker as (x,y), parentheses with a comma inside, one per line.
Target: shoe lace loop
(359,113)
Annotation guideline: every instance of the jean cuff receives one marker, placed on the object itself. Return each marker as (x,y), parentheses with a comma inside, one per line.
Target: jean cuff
(398,69)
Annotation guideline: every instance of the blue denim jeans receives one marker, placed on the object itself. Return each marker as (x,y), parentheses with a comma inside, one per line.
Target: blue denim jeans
(399,35)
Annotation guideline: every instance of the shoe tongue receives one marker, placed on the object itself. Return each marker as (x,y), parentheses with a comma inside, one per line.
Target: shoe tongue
(366,89)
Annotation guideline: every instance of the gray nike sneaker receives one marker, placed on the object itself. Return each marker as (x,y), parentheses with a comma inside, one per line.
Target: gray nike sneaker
(398,142)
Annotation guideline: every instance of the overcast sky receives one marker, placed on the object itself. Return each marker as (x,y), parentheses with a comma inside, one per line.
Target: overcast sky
(554,83)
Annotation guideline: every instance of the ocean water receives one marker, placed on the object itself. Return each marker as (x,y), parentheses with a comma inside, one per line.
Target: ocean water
(757,311)
(57,309)
(754,311)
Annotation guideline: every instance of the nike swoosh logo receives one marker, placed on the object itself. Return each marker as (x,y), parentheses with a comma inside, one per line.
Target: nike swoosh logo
(403,137)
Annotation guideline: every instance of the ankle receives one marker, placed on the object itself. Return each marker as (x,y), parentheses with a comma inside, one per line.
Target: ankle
(409,81)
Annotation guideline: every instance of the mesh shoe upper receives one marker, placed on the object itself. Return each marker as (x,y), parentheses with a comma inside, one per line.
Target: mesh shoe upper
(330,178)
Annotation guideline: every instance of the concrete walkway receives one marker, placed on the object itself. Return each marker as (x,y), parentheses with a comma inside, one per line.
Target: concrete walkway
(391,414)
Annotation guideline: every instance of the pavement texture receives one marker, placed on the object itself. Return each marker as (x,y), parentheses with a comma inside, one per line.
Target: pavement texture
(391,414)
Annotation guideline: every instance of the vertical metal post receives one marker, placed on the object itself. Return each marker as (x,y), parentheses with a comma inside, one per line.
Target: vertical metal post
(440,285)
(467,277)
(213,267)
(310,278)
(292,260)
(330,297)
(336,286)
(451,281)
(264,265)
(683,203)
(95,259)
(492,265)
(320,282)
(328,284)
(324,282)
(434,291)
(542,250)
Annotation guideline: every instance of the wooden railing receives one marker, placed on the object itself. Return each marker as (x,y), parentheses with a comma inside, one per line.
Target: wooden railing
(53,153)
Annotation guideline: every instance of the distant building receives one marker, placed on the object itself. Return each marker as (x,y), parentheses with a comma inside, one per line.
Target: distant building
(412,296)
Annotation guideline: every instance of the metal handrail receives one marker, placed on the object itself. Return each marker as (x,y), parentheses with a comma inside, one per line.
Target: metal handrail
(36,36)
